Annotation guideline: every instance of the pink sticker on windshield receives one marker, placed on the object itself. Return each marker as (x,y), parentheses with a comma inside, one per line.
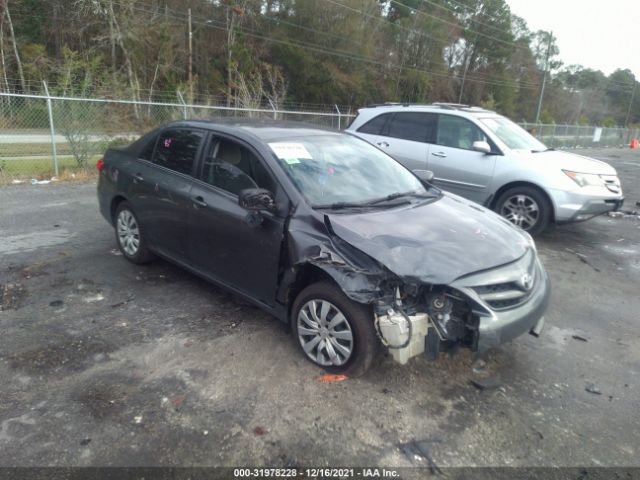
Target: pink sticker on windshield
(167,142)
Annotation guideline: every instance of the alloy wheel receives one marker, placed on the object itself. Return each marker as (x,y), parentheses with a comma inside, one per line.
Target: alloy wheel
(128,232)
(324,333)
(521,210)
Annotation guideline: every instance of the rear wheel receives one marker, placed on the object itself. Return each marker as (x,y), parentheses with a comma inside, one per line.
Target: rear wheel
(129,236)
(525,207)
(333,331)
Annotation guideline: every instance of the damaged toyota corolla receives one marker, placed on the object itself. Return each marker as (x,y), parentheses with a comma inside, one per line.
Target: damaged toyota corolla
(328,234)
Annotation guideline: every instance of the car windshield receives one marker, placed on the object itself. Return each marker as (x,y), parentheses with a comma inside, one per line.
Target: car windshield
(340,169)
(512,135)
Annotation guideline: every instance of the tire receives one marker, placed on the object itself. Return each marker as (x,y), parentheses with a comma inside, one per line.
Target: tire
(518,204)
(129,235)
(358,324)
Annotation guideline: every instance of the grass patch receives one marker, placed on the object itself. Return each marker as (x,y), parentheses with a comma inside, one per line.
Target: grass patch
(42,168)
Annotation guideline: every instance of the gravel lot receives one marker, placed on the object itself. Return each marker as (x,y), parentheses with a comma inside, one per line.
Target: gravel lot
(106,363)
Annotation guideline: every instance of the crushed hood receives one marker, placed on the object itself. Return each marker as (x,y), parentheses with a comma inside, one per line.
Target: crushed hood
(435,242)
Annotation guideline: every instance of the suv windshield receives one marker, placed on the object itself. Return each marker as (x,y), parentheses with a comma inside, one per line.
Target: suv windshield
(332,170)
(512,135)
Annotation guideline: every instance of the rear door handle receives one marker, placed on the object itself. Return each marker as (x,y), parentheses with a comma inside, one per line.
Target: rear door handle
(439,154)
(138,178)
(199,201)
(382,144)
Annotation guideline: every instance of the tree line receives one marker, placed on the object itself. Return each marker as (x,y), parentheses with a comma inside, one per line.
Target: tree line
(305,53)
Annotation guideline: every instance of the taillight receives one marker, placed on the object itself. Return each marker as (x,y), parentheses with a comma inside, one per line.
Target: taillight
(100,165)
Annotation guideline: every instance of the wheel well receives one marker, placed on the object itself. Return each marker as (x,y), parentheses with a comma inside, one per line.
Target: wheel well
(117,200)
(306,275)
(506,187)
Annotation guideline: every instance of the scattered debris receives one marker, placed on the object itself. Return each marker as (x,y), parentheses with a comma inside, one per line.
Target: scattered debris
(178,401)
(116,252)
(85,441)
(17,182)
(11,296)
(137,420)
(41,182)
(94,298)
(419,451)
(579,338)
(56,303)
(329,378)
(386,391)
(485,383)
(479,366)
(259,431)
(593,388)
(616,214)
(205,433)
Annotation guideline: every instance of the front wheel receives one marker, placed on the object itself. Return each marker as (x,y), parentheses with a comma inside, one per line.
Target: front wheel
(333,331)
(525,207)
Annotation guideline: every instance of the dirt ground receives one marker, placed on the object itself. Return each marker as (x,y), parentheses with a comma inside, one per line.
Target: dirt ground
(104,363)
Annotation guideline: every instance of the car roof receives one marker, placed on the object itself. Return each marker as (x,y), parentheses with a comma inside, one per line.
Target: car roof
(263,129)
(433,107)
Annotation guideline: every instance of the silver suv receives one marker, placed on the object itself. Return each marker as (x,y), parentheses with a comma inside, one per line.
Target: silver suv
(487,158)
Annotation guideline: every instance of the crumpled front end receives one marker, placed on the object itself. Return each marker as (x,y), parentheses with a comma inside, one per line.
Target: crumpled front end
(412,316)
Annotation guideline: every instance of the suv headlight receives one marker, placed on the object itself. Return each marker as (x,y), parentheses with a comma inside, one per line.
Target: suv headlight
(585,179)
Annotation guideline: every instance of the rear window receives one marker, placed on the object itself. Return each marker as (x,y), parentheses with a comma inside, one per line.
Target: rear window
(375,125)
(414,126)
(177,149)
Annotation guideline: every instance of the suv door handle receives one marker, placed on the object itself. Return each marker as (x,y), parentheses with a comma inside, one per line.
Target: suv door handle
(138,178)
(439,154)
(382,144)
(199,201)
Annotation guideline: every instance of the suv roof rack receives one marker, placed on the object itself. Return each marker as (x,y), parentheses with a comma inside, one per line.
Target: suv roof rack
(443,105)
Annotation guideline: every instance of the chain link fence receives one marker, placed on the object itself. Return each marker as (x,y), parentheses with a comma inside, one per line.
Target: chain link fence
(46,136)
(42,137)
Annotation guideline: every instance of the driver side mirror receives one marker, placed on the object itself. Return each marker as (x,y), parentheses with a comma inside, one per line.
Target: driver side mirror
(256,199)
(424,175)
(481,146)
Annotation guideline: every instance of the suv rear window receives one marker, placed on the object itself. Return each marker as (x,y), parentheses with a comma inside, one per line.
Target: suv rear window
(414,126)
(375,125)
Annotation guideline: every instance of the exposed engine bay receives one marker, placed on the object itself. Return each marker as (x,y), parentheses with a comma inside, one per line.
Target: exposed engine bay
(429,320)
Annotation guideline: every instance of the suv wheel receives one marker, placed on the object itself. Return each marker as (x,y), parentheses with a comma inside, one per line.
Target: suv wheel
(525,207)
(129,236)
(333,331)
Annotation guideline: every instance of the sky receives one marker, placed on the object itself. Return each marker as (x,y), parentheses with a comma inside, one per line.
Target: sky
(595,34)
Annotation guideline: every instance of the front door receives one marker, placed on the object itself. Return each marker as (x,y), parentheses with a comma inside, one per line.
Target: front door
(456,166)
(227,242)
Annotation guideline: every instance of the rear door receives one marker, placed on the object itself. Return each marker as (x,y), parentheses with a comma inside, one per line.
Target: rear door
(406,138)
(224,243)
(456,166)
(162,189)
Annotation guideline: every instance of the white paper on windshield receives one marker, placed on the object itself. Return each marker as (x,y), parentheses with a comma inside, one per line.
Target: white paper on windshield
(290,152)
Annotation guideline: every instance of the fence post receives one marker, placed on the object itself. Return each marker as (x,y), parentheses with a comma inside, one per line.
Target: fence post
(53,131)
(275,115)
(184,105)
(339,117)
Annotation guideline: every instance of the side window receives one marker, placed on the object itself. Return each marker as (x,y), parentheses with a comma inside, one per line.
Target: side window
(458,132)
(375,125)
(177,149)
(147,151)
(232,167)
(414,126)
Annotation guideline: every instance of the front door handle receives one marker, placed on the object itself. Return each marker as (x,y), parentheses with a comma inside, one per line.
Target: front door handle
(439,154)
(382,144)
(199,201)
(138,178)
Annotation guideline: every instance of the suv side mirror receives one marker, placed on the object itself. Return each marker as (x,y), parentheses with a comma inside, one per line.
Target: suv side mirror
(481,146)
(256,199)
(424,175)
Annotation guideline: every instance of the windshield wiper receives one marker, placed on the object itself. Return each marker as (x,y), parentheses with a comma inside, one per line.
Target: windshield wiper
(393,196)
(344,205)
